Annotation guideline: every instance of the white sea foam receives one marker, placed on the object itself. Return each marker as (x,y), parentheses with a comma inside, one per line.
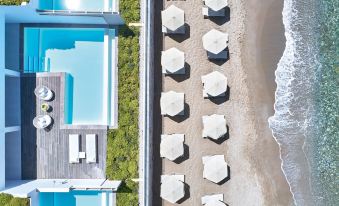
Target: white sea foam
(295,77)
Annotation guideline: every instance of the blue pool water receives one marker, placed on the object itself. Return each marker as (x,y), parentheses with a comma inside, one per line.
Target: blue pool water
(77,5)
(83,54)
(73,198)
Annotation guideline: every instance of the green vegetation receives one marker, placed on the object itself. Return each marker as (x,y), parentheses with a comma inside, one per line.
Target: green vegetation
(130,10)
(12,2)
(123,143)
(9,200)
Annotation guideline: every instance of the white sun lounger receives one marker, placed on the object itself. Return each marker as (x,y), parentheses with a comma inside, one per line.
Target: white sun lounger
(209,12)
(91,148)
(73,148)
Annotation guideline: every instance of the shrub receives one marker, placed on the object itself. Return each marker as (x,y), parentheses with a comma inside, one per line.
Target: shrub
(130,10)
(12,2)
(9,200)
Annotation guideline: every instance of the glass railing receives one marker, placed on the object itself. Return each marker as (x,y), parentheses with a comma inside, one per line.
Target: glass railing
(78,5)
(33,64)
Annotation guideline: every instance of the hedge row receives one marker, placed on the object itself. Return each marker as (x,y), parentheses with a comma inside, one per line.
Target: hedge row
(123,143)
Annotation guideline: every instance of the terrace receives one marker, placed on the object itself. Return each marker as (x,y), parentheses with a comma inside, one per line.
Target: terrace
(45,151)
(34,157)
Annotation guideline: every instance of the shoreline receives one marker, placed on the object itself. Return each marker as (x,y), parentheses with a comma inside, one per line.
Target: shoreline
(264,44)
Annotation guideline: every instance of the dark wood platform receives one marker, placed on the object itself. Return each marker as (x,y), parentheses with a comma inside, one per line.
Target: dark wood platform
(45,151)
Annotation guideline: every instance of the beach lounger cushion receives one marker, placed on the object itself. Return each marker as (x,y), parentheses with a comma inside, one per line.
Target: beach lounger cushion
(91,148)
(73,148)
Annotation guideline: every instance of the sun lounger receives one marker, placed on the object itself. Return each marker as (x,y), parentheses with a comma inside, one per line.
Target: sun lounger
(222,55)
(91,148)
(209,12)
(73,148)
(180,30)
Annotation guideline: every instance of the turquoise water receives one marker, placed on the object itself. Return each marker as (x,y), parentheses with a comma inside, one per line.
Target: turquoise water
(325,151)
(72,198)
(77,5)
(81,54)
(306,119)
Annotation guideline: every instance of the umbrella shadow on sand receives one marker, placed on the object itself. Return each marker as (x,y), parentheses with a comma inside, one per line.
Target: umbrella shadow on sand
(187,193)
(223,138)
(183,157)
(182,77)
(227,178)
(181,118)
(220,62)
(221,99)
(181,37)
(220,20)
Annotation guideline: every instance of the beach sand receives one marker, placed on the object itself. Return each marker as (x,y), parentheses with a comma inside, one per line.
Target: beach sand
(256,44)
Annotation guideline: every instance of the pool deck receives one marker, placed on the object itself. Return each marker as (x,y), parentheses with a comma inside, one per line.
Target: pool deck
(44,152)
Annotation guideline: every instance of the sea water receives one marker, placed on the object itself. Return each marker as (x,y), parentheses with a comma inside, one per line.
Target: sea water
(306,119)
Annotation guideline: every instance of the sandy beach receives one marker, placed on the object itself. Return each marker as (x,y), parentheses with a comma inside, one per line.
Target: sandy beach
(256,42)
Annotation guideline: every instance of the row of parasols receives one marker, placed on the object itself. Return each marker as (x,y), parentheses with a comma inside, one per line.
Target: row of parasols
(214,42)
(215,168)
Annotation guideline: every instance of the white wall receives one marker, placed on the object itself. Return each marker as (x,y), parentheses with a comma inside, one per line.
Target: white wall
(13,155)
(2,102)
(12,47)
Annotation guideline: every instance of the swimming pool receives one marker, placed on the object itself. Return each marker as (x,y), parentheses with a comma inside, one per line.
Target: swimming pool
(76,198)
(85,55)
(78,5)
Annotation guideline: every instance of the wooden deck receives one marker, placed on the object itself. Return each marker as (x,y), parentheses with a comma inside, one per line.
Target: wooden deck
(45,151)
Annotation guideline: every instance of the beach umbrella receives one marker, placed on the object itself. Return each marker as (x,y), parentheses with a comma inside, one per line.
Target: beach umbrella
(172,188)
(172,146)
(215,41)
(172,103)
(214,126)
(215,203)
(216,5)
(215,83)
(173,18)
(172,60)
(215,168)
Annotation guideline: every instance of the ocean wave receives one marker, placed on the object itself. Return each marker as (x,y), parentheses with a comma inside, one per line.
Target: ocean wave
(292,123)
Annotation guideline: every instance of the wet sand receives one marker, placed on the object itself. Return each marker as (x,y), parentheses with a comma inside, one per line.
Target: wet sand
(250,150)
